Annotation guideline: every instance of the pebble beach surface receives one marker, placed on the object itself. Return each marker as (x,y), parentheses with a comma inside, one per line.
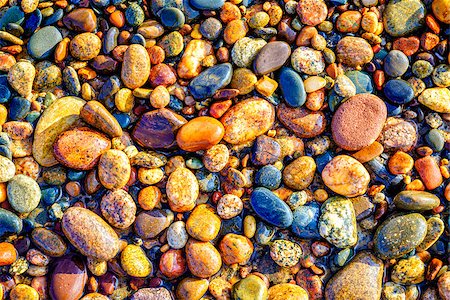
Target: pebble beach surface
(224,149)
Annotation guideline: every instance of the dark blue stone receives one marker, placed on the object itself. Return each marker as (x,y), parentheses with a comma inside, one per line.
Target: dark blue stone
(158,5)
(100,3)
(55,17)
(338,2)
(123,119)
(268,177)
(393,109)
(189,12)
(5,93)
(305,224)
(334,100)
(32,23)
(398,91)
(43,42)
(50,195)
(9,223)
(292,87)
(233,225)
(138,39)
(175,103)
(270,208)
(110,41)
(18,108)
(4,80)
(322,160)
(362,81)
(381,54)
(172,17)
(108,90)
(209,81)
(207,4)
(12,15)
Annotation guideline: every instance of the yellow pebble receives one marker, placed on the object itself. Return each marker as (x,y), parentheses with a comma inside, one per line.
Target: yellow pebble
(135,262)
(266,86)
(279,165)
(195,34)
(415,185)
(444,171)
(124,100)
(314,83)
(320,195)
(23,292)
(87,92)
(3,116)
(142,93)
(249,226)
(160,97)
(150,176)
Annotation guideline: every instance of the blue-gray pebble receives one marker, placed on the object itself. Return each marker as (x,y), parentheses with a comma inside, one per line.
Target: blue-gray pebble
(396,63)
(43,42)
(268,177)
(292,87)
(306,219)
(270,208)
(211,80)
(172,17)
(398,91)
(207,4)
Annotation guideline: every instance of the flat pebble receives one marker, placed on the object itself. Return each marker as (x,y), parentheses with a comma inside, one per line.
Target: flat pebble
(182,190)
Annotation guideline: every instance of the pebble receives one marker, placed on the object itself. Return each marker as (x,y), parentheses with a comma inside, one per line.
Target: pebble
(156,129)
(216,78)
(346,176)
(408,271)
(7,169)
(177,235)
(68,278)
(304,123)
(118,208)
(216,158)
(92,236)
(271,57)
(135,262)
(436,99)
(441,11)
(399,235)
(268,177)
(80,148)
(349,21)
(182,190)
(135,66)
(398,134)
(305,223)
(200,134)
(358,122)
(270,208)
(402,17)
(308,61)
(96,115)
(134,14)
(435,228)
(312,12)
(47,76)
(24,193)
(235,249)
(57,118)
(8,254)
(229,206)
(192,288)
(416,200)
(114,169)
(10,223)
(203,223)
(21,77)
(250,287)
(172,44)
(395,63)
(190,64)
(149,224)
(292,87)
(429,172)
(43,42)
(299,174)
(23,291)
(49,242)
(354,51)
(159,293)
(285,253)
(337,222)
(81,20)
(202,258)
(247,120)
(207,4)
(441,75)
(361,278)
(245,51)
(85,46)
(287,291)
(399,91)
(172,17)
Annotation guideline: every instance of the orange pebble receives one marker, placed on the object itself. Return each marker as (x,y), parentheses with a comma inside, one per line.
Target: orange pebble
(117,18)
(444,171)
(87,73)
(400,163)
(156,54)
(62,50)
(429,172)
(447,192)
(73,188)
(432,24)
(415,185)
(2,192)
(368,153)
(379,78)
(219,108)
(8,254)
(149,197)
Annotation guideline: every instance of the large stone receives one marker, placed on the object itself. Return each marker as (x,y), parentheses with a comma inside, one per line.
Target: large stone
(402,17)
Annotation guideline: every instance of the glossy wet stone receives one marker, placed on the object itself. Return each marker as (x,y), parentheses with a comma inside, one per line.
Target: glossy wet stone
(416,200)
(81,19)
(361,278)
(10,223)
(399,235)
(80,148)
(202,258)
(301,121)
(210,80)
(200,134)
(135,66)
(43,42)
(402,17)
(398,91)
(251,286)
(203,224)
(270,208)
(95,114)
(156,129)
(68,278)
(354,51)
(271,57)
(49,242)
(88,232)
(292,87)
